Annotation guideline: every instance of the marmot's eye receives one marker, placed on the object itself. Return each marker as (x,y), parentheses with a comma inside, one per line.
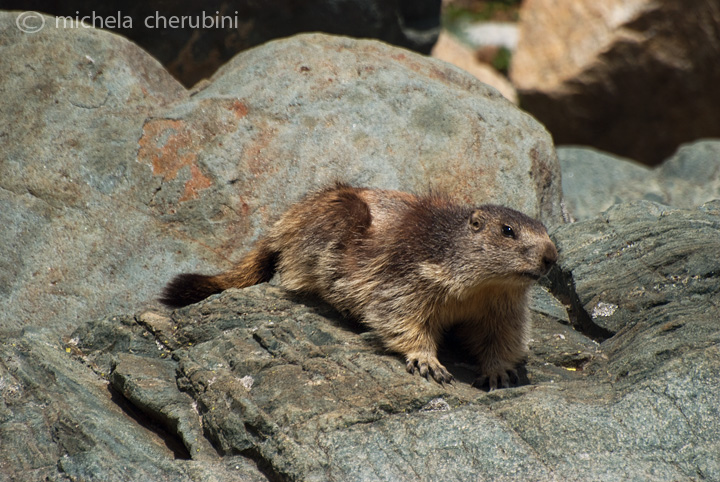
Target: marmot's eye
(508,232)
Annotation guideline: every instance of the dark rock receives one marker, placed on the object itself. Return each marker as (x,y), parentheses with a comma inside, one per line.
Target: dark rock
(660,272)
(61,421)
(214,31)
(635,78)
(150,384)
(289,383)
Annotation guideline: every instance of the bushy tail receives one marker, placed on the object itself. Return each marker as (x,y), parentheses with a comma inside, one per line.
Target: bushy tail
(188,288)
(256,267)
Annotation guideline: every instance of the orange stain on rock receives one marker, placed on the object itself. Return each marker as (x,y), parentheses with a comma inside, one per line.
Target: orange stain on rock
(197,182)
(168,146)
(240,109)
(254,156)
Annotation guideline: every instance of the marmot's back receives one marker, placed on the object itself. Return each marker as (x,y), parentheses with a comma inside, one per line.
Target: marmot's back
(409,266)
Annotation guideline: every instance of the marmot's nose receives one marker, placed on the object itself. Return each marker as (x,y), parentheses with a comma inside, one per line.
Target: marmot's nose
(550,256)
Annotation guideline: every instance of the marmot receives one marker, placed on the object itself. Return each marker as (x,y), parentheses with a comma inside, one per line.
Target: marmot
(408,266)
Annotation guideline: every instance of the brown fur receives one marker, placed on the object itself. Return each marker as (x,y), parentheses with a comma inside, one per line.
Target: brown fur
(408,266)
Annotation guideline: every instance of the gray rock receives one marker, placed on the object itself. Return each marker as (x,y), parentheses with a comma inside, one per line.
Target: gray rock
(648,276)
(691,176)
(593,181)
(660,269)
(77,238)
(115,178)
(342,104)
(289,382)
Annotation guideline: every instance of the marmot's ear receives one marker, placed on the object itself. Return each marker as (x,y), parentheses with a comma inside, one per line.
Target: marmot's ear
(477,220)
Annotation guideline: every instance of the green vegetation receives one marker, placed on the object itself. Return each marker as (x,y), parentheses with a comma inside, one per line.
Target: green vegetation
(479,11)
(501,61)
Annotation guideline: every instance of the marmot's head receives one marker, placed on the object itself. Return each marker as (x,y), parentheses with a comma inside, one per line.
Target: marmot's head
(500,244)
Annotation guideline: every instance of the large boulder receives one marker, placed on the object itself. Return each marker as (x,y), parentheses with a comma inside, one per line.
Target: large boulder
(303,112)
(636,78)
(78,239)
(115,177)
(290,383)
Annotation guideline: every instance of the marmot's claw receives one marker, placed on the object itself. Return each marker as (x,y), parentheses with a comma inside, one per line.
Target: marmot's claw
(499,379)
(441,375)
(426,365)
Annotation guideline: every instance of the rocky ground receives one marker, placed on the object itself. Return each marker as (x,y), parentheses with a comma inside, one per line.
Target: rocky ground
(114,177)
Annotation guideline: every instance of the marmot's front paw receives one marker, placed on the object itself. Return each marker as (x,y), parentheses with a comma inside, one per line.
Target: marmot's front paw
(497,378)
(428,364)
